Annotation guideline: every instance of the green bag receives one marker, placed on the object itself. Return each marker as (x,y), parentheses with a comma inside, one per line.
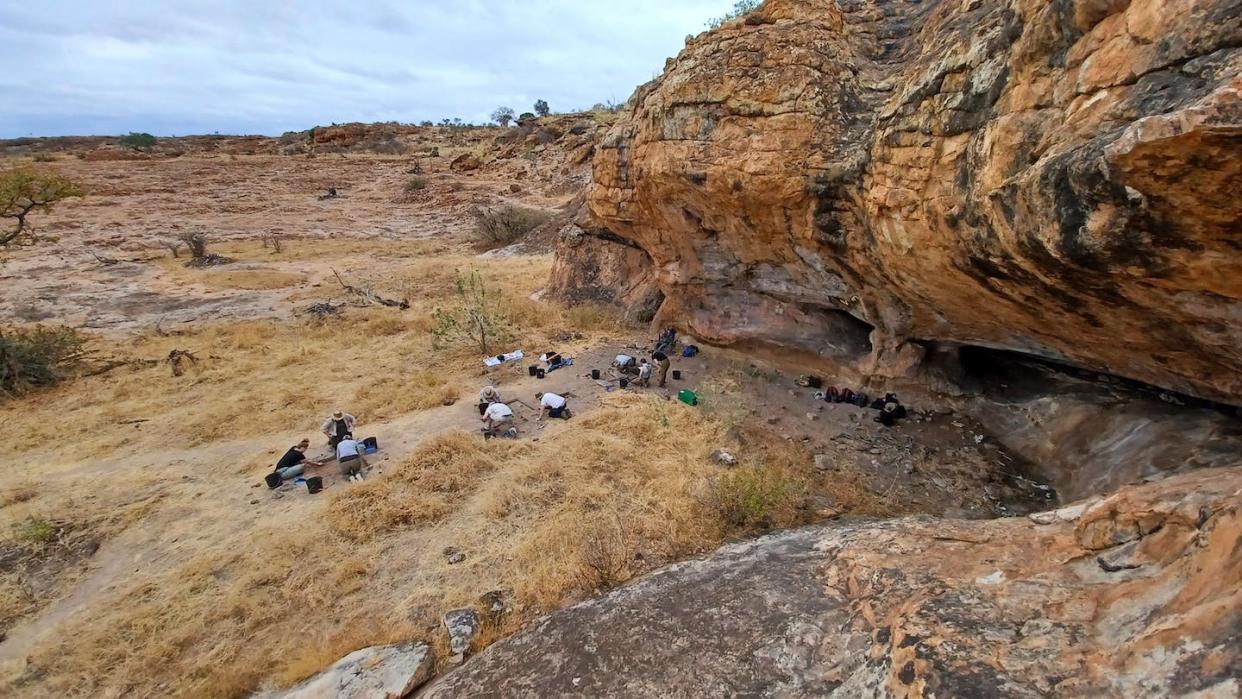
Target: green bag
(688,397)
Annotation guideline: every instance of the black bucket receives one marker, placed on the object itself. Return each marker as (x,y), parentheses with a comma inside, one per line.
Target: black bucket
(624,383)
(595,374)
(273,480)
(314,484)
(533,370)
(540,373)
(676,375)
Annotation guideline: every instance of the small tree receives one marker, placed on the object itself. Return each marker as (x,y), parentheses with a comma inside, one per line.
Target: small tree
(138,141)
(23,192)
(37,356)
(476,318)
(503,116)
(541,108)
(740,8)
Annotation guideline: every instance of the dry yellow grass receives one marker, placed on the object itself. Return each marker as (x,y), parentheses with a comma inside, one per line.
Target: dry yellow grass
(550,521)
(269,377)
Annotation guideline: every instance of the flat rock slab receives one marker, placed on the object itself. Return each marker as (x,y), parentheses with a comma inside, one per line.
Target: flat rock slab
(380,672)
(916,607)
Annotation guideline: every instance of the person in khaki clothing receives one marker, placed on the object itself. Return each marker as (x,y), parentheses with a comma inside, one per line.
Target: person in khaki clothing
(662,364)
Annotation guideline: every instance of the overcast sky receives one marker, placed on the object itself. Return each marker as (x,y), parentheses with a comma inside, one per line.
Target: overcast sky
(176,67)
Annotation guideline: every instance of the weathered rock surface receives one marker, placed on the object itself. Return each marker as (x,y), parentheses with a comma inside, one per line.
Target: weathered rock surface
(863,179)
(382,672)
(1134,595)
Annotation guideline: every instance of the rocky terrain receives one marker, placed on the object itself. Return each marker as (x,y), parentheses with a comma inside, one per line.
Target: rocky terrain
(880,183)
(1133,595)
(1022,207)
(1019,214)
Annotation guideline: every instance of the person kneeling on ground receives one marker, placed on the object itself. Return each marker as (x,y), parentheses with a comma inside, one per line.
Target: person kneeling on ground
(337,426)
(349,456)
(625,364)
(294,462)
(487,396)
(498,419)
(553,406)
(662,361)
(644,374)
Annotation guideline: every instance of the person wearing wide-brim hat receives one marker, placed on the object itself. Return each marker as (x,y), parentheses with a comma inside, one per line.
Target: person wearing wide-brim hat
(336,427)
(487,396)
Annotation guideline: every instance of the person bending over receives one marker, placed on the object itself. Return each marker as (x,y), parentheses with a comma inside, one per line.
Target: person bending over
(487,396)
(552,405)
(497,419)
(336,427)
(644,374)
(294,462)
(663,363)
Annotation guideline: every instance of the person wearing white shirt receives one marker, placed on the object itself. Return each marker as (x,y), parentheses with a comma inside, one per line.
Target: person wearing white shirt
(496,418)
(553,406)
(349,455)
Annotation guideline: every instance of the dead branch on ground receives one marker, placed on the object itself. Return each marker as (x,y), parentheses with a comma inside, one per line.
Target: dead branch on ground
(370,297)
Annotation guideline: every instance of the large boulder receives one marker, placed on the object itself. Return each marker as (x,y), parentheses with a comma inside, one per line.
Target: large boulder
(863,179)
(1130,596)
(381,672)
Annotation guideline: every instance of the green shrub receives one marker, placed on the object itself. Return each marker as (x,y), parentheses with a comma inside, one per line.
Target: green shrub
(415,184)
(754,498)
(138,141)
(37,356)
(476,317)
(44,158)
(740,8)
(35,531)
(496,228)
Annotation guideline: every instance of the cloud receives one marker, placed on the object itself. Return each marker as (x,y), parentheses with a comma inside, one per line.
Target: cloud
(268,66)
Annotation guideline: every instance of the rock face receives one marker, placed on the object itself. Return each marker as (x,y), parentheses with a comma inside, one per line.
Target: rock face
(383,672)
(1130,596)
(868,180)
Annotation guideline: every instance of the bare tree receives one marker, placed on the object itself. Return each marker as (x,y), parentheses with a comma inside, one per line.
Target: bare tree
(23,192)
(503,115)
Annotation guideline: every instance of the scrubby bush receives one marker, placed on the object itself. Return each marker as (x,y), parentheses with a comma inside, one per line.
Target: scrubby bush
(475,317)
(415,184)
(35,531)
(37,356)
(740,8)
(495,228)
(138,141)
(44,158)
(754,498)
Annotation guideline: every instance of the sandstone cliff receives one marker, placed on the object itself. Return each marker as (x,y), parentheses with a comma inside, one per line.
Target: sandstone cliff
(870,179)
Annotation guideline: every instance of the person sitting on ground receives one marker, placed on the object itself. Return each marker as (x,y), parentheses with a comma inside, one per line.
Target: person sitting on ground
(625,364)
(553,406)
(294,462)
(337,426)
(644,374)
(666,341)
(487,396)
(349,454)
(498,418)
(663,363)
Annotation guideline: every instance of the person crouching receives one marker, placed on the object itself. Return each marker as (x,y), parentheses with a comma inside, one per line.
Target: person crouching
(488,396)
(349,455)
(552,405)
(498,419)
